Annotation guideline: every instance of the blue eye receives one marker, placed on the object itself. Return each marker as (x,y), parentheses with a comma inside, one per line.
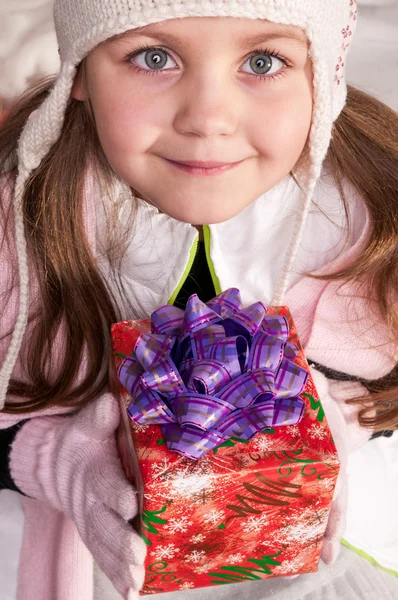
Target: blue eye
(263,63)
(154,58)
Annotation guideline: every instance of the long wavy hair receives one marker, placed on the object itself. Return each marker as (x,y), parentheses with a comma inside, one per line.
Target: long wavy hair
(74,295)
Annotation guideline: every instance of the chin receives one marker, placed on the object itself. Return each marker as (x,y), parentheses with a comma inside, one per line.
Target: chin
(203,218)
(200,213)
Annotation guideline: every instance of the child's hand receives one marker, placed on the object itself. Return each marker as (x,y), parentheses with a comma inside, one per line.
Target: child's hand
(348,436)
(72,463)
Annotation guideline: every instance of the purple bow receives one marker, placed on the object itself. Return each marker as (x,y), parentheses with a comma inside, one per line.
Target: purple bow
(212,372)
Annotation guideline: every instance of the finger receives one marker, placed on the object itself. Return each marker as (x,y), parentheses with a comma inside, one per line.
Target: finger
(109,485)
(100,418)
(334,416)
(119,551)
(132,595)
(130,592)
(330,551)
(337,516)
(320,382)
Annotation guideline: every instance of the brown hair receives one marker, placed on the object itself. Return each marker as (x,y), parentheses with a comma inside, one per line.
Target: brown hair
(364,149)
(73,293)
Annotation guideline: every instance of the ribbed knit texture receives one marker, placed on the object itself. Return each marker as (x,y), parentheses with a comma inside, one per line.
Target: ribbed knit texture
(71,463)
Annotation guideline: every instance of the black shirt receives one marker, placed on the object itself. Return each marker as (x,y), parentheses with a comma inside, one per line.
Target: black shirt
(199,280)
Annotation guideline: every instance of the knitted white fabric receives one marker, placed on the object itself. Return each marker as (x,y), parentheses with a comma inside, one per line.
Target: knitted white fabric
(82,24)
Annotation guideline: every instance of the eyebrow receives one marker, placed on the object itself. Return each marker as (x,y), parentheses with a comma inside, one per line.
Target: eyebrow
(246,40)
(289,34)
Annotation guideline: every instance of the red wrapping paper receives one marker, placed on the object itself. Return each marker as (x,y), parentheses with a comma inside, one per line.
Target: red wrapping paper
(246,510)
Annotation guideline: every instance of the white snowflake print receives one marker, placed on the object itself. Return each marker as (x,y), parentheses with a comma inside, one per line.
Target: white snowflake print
(293,430)
(307,526)
(187,585)
(140,428)
(303,515)
(214,516)
(326,484)
(178,524)
(195,556)
(201,569)
(164,552)
(233,559)
(317,432)
(160,468)
(254,524)
(187,484)
(292,566)
(196,539)
(262,443)
(304,531)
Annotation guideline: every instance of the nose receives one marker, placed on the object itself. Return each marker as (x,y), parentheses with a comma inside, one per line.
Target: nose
(207,107)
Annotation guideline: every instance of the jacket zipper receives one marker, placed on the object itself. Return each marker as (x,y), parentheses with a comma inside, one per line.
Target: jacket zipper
(191,259)
(214,278)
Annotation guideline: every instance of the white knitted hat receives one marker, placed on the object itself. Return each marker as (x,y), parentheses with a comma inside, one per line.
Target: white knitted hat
(82,24)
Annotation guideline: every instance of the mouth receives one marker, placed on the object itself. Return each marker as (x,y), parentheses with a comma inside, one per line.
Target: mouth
(203,167)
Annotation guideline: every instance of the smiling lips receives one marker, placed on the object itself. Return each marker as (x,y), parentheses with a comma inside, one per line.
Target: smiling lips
(199,167)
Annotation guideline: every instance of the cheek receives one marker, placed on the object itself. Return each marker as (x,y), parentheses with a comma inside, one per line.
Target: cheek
(282,133)
(126,124)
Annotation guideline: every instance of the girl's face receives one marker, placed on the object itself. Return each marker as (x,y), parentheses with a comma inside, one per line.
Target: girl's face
(202,90)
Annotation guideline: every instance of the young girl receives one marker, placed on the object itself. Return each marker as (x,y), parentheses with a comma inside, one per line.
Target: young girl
(181,150)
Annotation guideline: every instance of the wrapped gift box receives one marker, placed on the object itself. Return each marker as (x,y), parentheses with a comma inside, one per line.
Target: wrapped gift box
(247,509)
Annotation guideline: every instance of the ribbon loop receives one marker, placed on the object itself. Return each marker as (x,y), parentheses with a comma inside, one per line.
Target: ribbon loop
(247,388)
(164,378)
(266,352)
(209,376)
(201,345)
(247,422)
(129,373)
(277,326)
(227,303)
(191,442)
(197,316)
(150,348)
(167,320)
(149,409)
(200,411)
(288,411)
(290,379)
(251,317)
(233,352)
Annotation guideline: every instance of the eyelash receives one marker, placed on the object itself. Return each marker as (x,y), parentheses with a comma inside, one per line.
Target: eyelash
(266,51)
